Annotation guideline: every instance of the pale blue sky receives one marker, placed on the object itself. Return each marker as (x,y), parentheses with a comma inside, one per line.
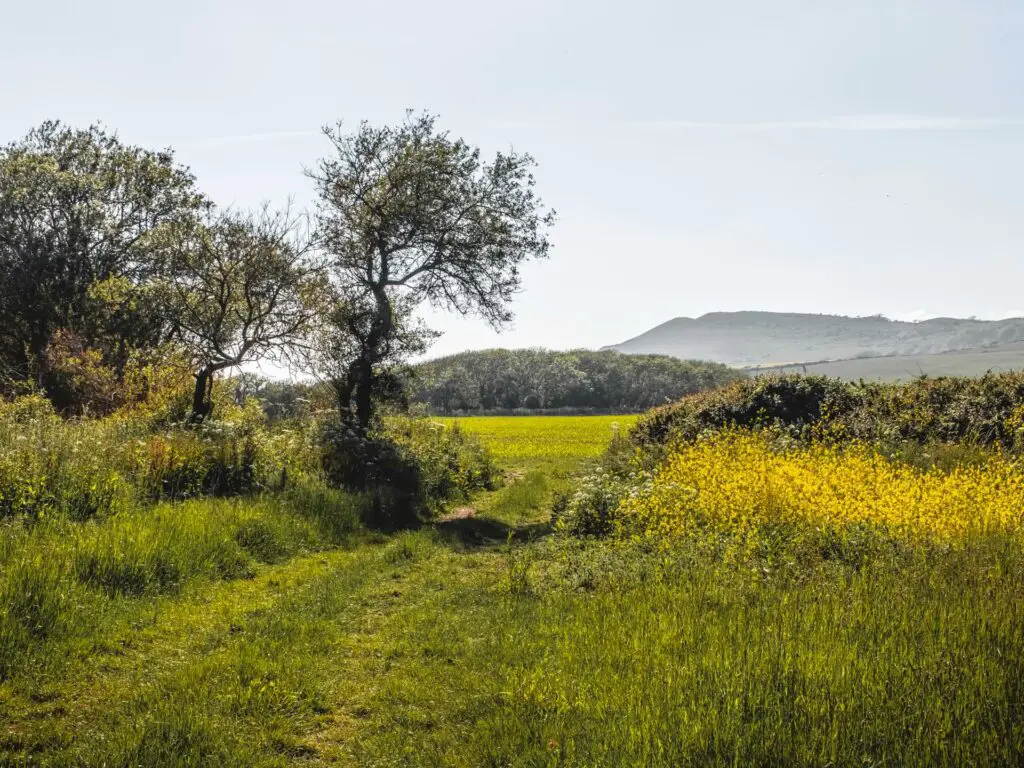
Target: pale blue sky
(846,157)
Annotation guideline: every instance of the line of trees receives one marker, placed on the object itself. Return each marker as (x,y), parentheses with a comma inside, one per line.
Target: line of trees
(112,261)
(537,379)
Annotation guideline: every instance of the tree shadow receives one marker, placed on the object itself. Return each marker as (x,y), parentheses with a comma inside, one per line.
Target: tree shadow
(484,532)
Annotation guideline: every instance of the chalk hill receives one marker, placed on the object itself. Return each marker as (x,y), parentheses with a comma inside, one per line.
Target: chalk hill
(774,338)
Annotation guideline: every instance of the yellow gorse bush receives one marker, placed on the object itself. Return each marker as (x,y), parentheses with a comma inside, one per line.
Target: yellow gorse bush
(738,482)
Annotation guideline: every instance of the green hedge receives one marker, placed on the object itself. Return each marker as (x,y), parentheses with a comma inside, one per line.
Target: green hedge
(985,411)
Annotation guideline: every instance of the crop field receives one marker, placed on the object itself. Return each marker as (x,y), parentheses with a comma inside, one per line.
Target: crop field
(525,438)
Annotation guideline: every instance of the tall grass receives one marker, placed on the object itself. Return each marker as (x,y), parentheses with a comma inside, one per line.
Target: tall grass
(897,664)
(85,468)
(55,572)
(628,655)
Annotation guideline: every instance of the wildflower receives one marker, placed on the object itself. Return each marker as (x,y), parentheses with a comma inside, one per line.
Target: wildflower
(738,482)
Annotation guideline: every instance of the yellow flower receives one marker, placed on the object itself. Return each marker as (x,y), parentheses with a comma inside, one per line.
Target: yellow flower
(737,482)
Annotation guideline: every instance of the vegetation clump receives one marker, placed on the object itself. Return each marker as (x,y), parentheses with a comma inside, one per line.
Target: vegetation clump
(580,380)
(409,468)
(984,411)
(742,483)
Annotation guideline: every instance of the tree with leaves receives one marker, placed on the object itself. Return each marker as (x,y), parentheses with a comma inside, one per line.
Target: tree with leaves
(344,333)
(241,288)
(409,213)
(78,213)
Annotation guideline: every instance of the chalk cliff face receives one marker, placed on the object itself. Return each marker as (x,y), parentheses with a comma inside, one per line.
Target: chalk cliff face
(774,338)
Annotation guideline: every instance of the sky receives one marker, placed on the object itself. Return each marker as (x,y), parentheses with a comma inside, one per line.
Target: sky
(795,155)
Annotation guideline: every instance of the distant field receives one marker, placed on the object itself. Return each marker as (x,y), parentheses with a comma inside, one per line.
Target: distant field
(975,362)
(544,437)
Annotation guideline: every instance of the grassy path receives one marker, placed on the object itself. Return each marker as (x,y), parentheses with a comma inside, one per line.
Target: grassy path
(327,657)
(481,641)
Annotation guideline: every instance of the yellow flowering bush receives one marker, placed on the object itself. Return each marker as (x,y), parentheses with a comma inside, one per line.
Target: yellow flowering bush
(740,482)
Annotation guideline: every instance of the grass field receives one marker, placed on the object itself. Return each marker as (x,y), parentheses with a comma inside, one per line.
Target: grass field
(484,641)
(522,439)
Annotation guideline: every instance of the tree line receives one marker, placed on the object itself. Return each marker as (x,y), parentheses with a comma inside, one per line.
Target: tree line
(113,263)
(537,379)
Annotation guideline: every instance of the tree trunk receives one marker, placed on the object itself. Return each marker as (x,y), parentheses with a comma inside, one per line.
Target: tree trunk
(343,393)
(364,394)
(359,389)
(202,397)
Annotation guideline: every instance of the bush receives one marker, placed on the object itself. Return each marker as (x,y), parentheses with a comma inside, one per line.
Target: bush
(387,477)
(984,411)
(452,463)
(407,471)
(591,508)
(793,403)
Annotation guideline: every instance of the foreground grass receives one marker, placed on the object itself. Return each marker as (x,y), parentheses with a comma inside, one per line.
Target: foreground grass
(481,641)
(622,659)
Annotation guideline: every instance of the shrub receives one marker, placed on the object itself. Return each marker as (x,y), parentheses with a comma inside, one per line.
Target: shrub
(408,471)
(452,463)
(740,484)
(387,477)
(590,510)
(983,411)
(794,403)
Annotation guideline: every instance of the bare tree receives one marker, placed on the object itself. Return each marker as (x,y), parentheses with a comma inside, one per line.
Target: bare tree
(408,211)
(241,288)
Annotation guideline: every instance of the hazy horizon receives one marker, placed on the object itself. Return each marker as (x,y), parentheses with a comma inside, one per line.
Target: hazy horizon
(829,158)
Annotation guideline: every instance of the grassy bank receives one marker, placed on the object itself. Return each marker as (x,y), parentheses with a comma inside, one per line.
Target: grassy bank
(485,640)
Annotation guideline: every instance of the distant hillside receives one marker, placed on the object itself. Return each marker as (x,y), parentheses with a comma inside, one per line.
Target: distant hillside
(998,358)
(773,338)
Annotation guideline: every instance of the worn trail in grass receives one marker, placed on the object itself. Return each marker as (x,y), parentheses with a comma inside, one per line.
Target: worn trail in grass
(482,641)
(286,664)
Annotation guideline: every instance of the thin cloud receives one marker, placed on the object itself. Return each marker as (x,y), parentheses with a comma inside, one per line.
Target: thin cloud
(881,122)
(251,138)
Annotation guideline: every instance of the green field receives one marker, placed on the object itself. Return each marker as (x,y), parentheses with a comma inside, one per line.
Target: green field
(483,640)
(521,439)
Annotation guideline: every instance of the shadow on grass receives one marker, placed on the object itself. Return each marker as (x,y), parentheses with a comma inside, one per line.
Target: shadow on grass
(476,532)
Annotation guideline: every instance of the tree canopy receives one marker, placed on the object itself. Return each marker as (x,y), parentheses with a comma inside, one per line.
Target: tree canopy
(537,379)
(78,210)
(239,287)
(410,213)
